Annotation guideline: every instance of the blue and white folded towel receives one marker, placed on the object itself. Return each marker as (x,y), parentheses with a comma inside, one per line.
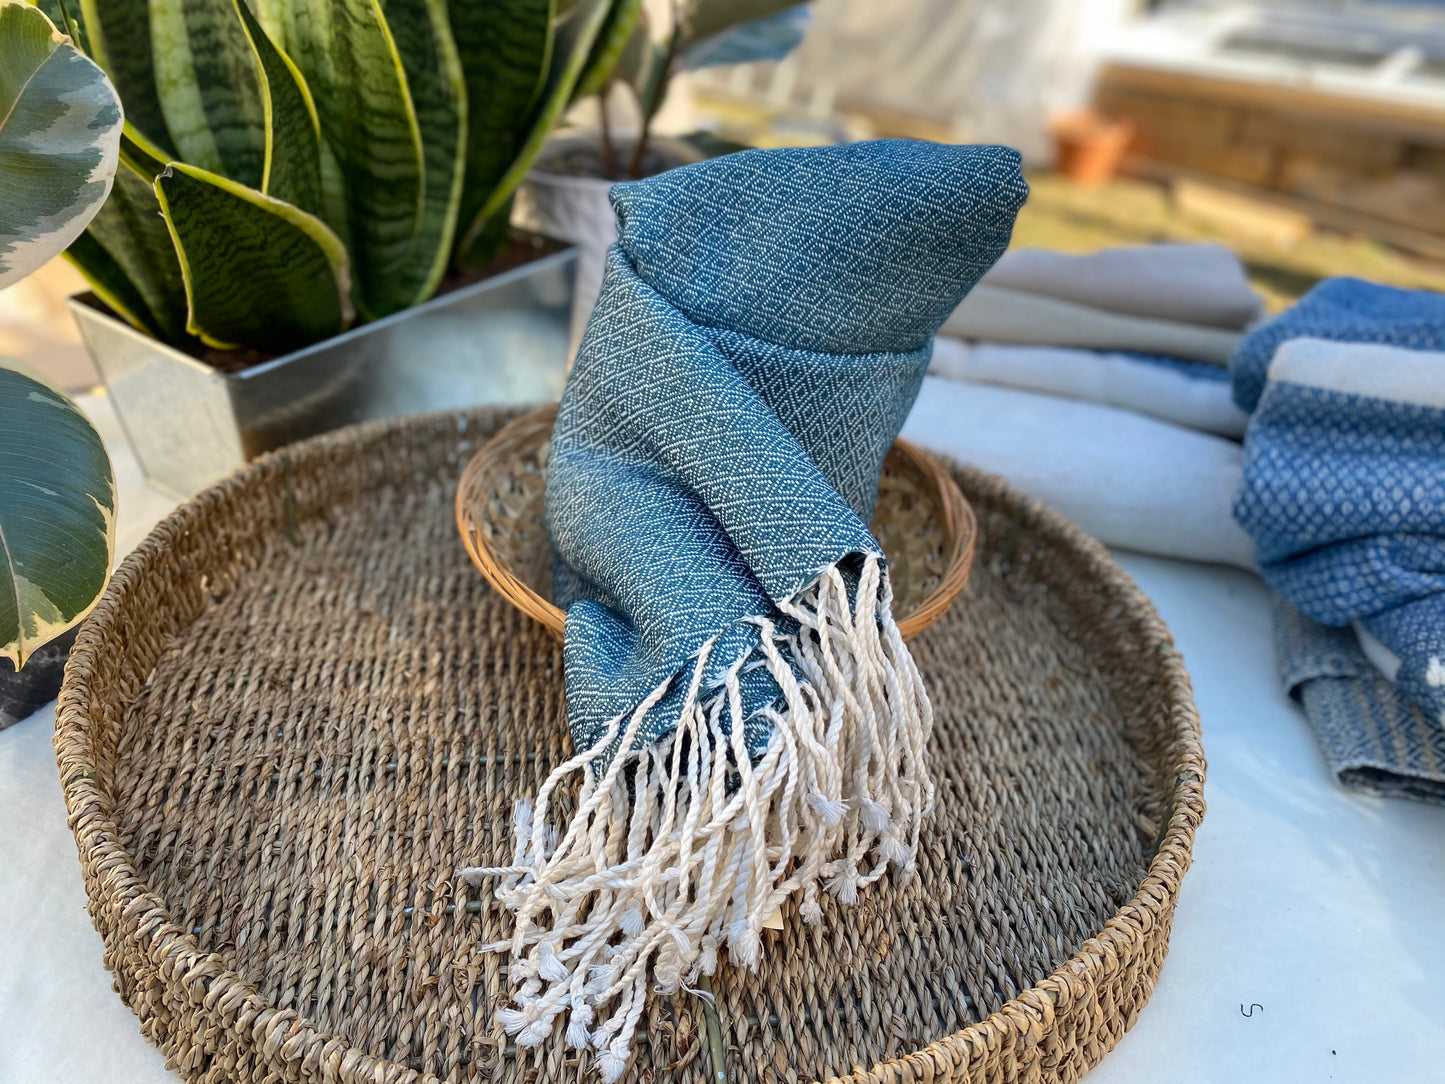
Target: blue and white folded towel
(1343,490)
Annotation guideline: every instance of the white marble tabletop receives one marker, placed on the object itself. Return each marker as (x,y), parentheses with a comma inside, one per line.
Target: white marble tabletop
(1307,935)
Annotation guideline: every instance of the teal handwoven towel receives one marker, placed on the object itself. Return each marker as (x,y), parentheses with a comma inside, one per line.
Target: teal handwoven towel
(748,722)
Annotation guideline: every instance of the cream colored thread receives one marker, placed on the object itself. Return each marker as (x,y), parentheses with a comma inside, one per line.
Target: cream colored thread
(671,862)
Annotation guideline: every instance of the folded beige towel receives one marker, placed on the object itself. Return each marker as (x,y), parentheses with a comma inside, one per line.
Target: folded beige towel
(993,314)
(1191,284)
(1128,480)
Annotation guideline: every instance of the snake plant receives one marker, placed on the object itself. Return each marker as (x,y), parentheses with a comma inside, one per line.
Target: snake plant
(293,166)
(60,129)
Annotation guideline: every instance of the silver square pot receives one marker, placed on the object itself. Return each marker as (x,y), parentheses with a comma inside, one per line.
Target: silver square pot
(501,340)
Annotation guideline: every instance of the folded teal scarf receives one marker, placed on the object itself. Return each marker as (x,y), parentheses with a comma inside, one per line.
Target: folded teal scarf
(749,725)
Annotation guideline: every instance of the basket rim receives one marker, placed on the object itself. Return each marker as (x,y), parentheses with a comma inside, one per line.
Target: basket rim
(959,522)
(204,977)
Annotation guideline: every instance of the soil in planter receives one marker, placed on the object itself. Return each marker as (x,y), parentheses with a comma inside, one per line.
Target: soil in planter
(521,249)
(585,160)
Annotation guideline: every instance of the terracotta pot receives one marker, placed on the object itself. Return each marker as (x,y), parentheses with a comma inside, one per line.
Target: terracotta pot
(1089,146)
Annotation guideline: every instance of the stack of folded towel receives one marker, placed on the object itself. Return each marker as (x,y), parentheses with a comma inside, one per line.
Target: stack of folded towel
(1135,434)
(1343,493)
(1098,384)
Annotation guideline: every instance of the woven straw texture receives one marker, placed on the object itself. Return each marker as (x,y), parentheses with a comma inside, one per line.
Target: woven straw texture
(299,709)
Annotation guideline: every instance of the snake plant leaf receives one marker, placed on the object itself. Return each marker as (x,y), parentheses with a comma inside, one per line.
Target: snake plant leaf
(257,271)
(506,47)
(292,169)
(130,231)
(60,125)
(141,156)
(118,33)
(209,89)
(346,52)
(110,283)
(623,22)
(576,33)
(57,515)
(433,68)
(68,19)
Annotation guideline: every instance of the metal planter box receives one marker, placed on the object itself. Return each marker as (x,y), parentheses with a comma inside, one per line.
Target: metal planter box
(501,340)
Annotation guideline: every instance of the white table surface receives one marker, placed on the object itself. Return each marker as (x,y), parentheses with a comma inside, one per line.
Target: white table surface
(1317,912)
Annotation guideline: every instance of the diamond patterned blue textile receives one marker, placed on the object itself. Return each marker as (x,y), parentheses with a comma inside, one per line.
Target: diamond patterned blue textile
(763,328)
(1344,496)
(1345,310)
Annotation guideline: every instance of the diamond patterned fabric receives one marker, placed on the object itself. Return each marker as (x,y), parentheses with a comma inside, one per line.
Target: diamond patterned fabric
(764,325)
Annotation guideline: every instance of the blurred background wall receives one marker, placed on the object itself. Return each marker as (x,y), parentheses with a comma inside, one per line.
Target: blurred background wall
(1308,135)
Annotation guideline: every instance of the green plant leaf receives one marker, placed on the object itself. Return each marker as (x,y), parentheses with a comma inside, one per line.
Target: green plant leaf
(57,515)
(292,170)
(257,271)
(110,283)
(60,125)
(346,52)
(130,230)
(439,94)
(576,34)
(623,23)
(208,87)
(118,33)
(141,157)
(68,19)
(506,47)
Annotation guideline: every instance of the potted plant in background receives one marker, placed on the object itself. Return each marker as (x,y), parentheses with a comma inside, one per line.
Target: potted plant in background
(565,193)
(60,128)
(311,192)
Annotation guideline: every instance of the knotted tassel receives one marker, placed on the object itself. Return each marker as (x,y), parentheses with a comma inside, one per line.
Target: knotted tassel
(690,843)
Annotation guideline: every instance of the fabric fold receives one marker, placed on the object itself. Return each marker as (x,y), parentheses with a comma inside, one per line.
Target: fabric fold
(1201,284)
(1128,480)
(995,314)
(1192,394)
(1375,739)
(1343,492)
(749,725)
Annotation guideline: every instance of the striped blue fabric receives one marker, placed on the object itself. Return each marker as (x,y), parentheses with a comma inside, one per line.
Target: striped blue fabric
(1343,310)
(1343,494)
(764,325)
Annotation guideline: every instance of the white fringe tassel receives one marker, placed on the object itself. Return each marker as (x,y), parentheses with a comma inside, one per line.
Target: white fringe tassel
(688,844)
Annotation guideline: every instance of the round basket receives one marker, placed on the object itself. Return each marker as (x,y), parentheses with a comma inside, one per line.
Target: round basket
(922,521)
(298,712)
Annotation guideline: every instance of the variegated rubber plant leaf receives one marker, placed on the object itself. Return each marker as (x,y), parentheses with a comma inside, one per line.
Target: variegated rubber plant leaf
(57,515)
(60,126)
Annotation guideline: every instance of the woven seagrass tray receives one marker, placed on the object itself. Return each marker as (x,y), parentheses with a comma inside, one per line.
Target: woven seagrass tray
(298,711)
(922,521)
